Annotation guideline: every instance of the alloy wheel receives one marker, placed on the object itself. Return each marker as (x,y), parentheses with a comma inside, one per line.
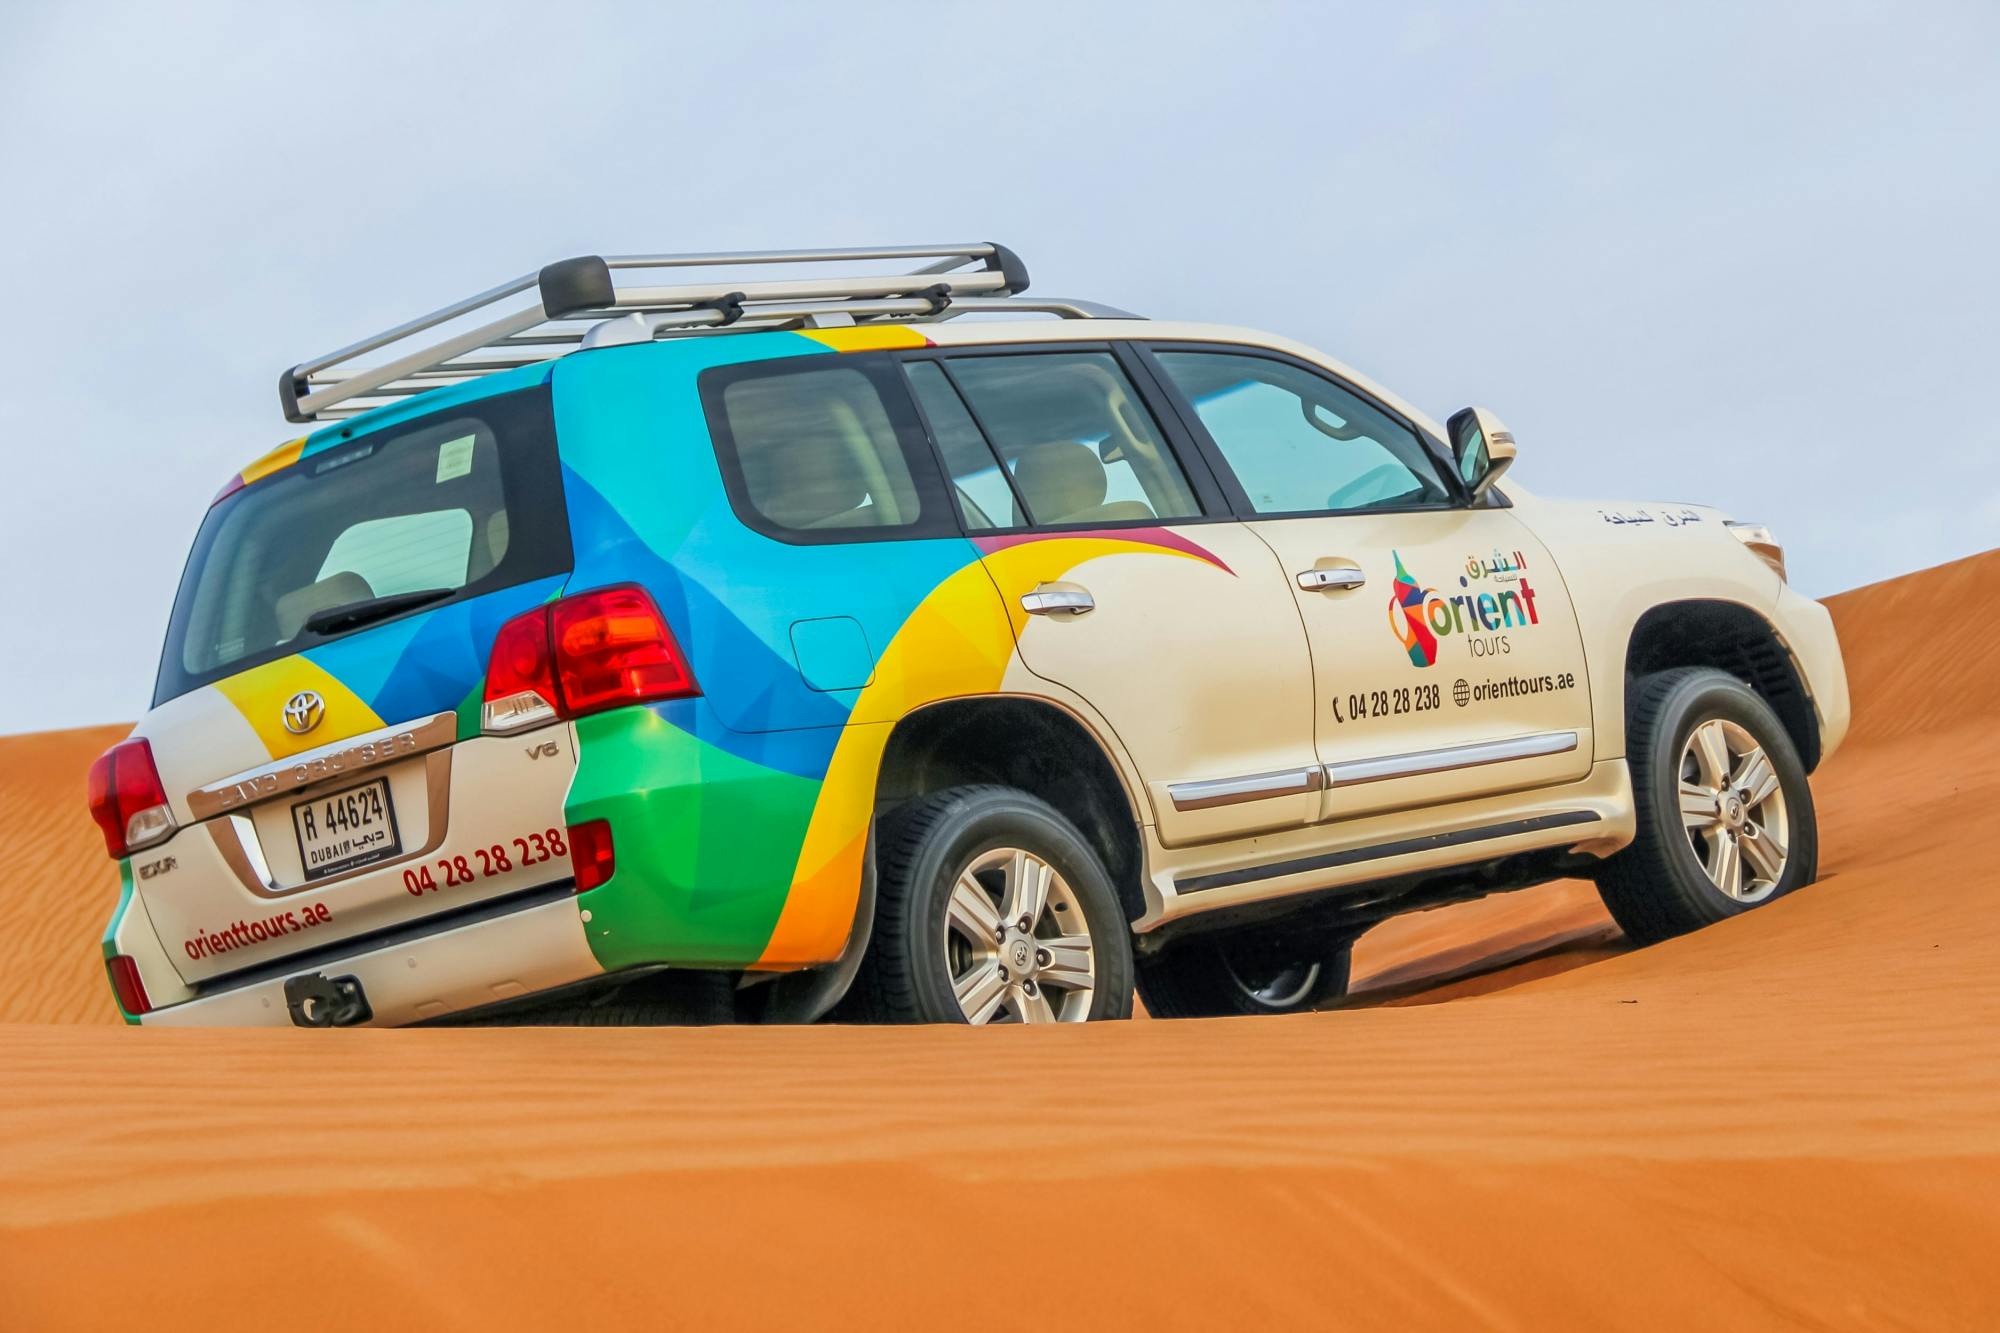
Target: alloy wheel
(1733,808)
(1016,942)
(1275,986)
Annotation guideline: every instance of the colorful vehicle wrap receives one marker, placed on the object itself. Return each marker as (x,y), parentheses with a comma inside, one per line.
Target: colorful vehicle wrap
(742,814)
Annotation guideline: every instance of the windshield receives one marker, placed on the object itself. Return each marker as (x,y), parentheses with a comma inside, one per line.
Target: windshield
(438,510)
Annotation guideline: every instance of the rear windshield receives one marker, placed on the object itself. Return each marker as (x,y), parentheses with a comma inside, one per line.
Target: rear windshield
(438,510)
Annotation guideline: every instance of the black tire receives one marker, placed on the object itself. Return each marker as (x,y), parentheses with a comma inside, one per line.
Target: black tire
(1658,887)
(1264,973)
(922,849)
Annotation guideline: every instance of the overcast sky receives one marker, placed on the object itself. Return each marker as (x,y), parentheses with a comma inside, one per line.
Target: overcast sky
(1747,255)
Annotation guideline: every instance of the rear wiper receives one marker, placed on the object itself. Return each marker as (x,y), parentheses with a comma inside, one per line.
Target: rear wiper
(355,614)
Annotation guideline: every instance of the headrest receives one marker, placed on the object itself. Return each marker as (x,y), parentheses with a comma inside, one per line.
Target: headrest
(297,606)
(799,485)
(1060,480)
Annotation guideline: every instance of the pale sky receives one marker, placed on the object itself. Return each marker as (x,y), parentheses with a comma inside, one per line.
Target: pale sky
(1746,255)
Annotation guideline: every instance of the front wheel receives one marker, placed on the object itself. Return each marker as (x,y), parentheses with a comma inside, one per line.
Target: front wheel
(1725,817)
(993,909)
(1262,973)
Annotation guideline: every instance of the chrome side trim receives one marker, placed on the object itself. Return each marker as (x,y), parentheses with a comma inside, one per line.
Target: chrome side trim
(1235,791)
(1384,851)
(329,761)
(1381,769)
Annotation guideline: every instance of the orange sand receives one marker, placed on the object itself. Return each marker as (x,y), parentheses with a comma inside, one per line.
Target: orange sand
(1789,1121)
(62,887)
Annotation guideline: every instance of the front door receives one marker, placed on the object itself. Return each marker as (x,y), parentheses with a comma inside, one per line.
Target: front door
(1446,658)
(1128,586)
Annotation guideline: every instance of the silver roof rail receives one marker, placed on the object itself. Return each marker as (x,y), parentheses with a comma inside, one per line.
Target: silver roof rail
(576,304)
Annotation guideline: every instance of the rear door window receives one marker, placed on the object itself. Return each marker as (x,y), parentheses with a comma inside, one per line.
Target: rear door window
(458,504)
(981,487)
(823,449)
(1077,444)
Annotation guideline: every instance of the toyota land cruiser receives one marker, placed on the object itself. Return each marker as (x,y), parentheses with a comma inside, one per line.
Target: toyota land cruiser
(744,649)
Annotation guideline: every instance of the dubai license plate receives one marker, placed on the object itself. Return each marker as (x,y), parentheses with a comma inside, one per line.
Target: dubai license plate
(346,829)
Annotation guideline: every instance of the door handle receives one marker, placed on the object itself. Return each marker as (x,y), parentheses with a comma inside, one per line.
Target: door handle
(1045,601)
(1331,580)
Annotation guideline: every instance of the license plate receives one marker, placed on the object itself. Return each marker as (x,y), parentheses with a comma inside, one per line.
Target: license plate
(346,829)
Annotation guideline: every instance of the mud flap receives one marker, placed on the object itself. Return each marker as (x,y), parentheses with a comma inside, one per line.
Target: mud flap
(807,997)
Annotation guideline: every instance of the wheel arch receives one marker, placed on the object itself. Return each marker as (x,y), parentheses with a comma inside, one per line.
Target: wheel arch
(1734,638)
(1031,743)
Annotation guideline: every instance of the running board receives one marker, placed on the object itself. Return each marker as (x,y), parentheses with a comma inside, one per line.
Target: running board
(1383,851)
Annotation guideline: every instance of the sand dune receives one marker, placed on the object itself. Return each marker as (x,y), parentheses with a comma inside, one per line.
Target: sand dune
(62,887)
(1792,1120)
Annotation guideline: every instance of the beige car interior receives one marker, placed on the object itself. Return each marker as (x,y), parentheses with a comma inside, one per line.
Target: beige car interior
(346,587)
(297,606)
(1065,482)
(818,451)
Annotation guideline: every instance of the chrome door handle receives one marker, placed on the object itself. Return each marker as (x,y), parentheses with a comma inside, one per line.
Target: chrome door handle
(1057,601)
(1331,580)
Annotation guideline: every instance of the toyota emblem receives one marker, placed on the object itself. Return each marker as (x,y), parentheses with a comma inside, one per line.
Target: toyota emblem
(303,712)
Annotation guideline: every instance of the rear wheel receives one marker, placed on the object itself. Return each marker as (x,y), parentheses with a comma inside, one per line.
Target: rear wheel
(1725,816)
(1264,973)
(992,909)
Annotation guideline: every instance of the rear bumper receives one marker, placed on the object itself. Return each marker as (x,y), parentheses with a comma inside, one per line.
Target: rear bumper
(483,962)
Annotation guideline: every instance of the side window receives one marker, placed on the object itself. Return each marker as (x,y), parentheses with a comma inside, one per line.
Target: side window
(822,446)
(1074,438)
(1298,442)
(983,493)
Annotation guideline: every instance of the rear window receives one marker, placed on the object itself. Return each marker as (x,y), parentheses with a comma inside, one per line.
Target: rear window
(455,505)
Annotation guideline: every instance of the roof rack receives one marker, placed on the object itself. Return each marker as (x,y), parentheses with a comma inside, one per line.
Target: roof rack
(576,304)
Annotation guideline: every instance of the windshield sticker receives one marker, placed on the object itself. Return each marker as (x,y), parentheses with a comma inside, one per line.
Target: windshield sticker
(455,458)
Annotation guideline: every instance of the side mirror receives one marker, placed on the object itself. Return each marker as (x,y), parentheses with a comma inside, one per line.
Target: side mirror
(1481,446)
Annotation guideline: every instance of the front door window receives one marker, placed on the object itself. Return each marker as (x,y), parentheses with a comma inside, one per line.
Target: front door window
(1298,443)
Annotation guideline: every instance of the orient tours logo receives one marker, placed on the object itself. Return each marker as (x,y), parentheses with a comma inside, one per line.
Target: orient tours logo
(1420,616)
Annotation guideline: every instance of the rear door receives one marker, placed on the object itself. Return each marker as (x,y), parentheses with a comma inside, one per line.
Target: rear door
(1128,583)
(1446,655)
(323,663)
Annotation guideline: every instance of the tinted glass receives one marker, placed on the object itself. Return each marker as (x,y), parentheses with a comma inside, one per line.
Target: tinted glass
(1071,430)
(463,502)
(985,498)
(407,553)
(1298,442)
(814,447)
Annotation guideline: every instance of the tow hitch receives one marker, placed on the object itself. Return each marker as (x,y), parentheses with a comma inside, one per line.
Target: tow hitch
(319,1001)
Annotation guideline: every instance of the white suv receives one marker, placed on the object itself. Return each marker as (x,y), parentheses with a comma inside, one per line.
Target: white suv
(858,654)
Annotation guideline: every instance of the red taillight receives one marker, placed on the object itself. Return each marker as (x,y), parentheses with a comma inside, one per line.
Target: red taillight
(520,680)
(590,853)
(583,654)
(612,647)
(126,798)
(127,986)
